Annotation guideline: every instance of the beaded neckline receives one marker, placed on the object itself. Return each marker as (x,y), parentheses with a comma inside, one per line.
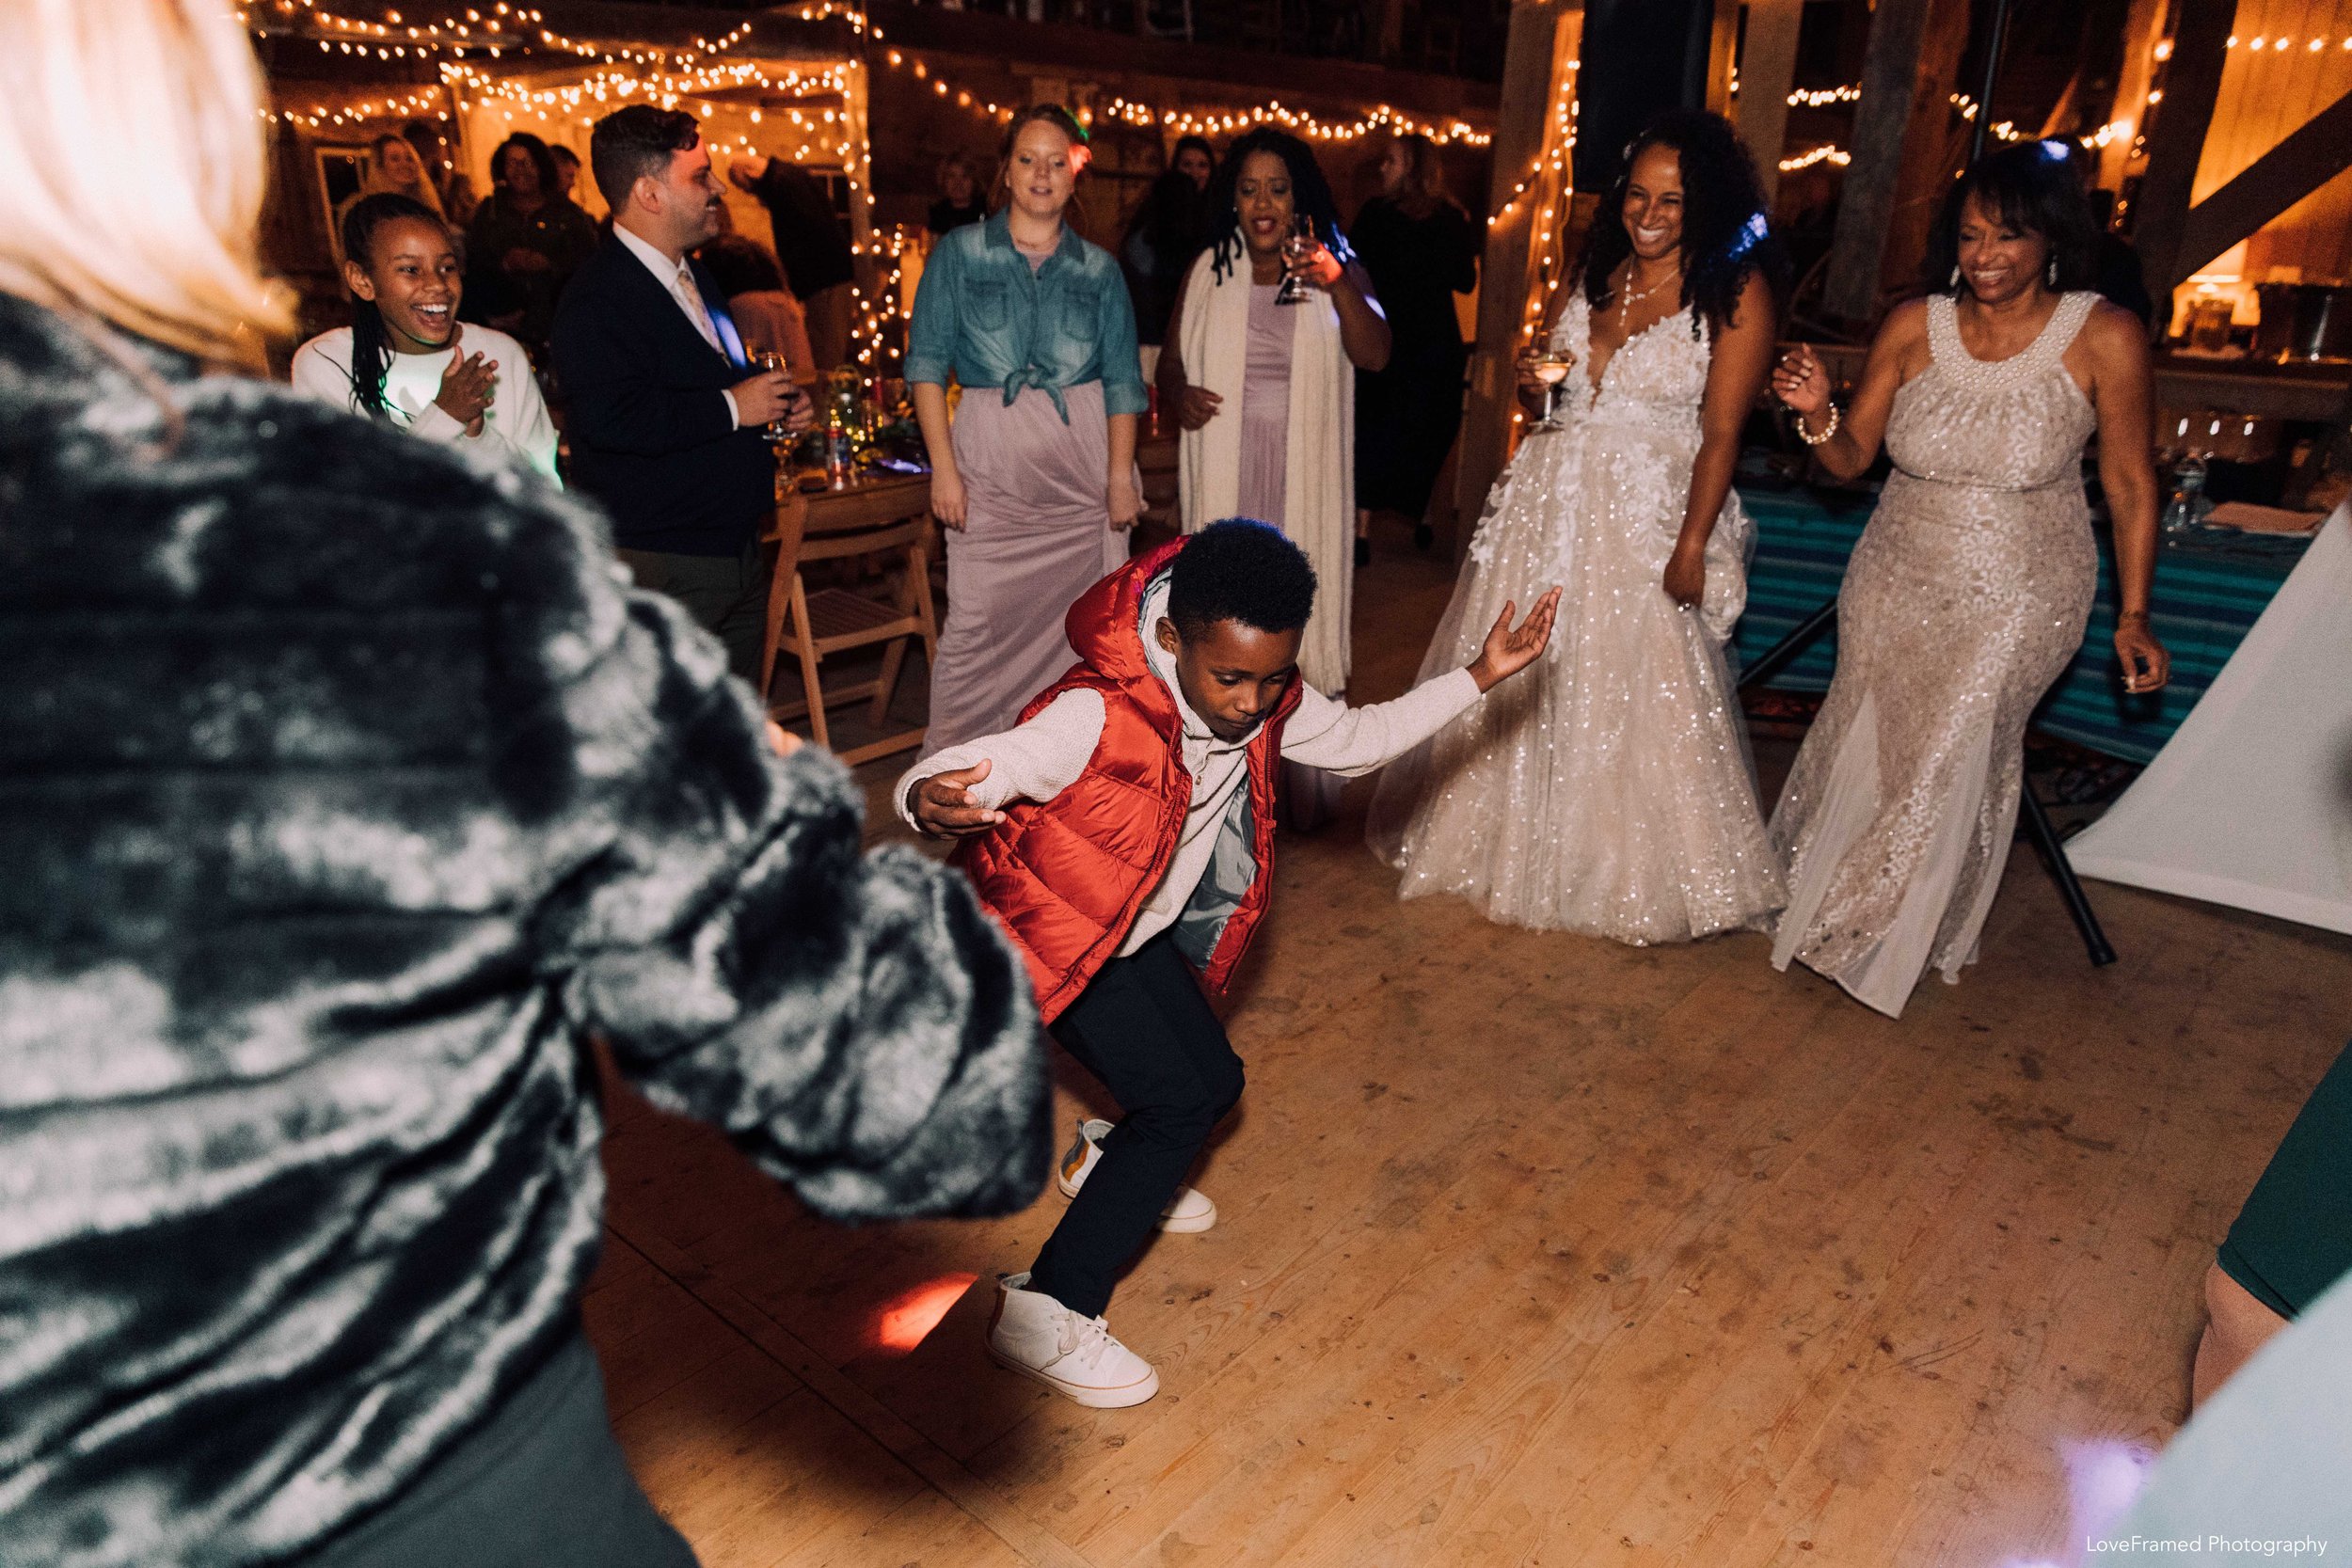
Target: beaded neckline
(2036,358)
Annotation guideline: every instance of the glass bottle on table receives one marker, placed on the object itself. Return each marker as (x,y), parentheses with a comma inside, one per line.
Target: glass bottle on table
(2187,506)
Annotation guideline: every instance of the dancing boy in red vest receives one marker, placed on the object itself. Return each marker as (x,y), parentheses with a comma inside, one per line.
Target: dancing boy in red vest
(1123,834)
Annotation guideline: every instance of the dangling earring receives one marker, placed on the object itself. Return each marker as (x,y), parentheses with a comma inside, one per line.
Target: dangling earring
(2050,272)
(1955,277)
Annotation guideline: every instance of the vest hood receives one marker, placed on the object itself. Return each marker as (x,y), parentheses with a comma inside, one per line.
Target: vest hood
(1105,623)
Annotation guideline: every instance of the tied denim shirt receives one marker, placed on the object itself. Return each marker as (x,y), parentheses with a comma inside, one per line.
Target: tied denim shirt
(984,314)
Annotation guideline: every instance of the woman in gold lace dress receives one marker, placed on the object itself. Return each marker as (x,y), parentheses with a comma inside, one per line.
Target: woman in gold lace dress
(1969,590)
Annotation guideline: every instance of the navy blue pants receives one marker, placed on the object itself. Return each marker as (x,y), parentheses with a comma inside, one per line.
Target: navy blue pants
(1144,1029)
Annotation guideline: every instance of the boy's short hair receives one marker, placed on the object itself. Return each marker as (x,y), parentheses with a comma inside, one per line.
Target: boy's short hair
(1240,570)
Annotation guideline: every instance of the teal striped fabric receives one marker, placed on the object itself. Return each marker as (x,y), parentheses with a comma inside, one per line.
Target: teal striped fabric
(2209,590)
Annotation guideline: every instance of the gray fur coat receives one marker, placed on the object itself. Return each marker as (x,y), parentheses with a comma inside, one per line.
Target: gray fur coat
(343,793)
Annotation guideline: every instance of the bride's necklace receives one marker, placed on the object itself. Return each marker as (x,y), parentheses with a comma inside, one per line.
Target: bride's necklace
(1628,296)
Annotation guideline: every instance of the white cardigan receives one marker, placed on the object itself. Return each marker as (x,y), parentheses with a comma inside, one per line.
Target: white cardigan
(1319,490)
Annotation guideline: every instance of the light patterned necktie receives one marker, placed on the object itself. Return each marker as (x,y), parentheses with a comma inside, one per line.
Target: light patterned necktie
(696,311)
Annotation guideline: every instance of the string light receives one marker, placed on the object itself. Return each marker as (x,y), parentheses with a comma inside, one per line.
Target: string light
(1221,122)
(1552,157)
(1836,157)
(416,103)
(922,71)
(878,331)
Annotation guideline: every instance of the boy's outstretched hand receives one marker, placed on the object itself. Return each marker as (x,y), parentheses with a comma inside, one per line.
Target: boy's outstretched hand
(1508,651)
(945,806)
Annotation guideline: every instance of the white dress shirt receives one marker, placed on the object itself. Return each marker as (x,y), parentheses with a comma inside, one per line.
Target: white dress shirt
(1037,760)
(677,280)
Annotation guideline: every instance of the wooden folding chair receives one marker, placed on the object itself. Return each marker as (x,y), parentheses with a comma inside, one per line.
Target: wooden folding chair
(893,520)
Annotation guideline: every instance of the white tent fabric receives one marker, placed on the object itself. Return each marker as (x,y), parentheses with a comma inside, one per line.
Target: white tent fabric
(2250,802)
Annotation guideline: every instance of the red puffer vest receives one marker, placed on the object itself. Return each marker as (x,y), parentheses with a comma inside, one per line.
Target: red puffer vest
(1065,877)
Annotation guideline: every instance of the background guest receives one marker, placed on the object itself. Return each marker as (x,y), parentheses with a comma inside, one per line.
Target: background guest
(394,168)
(811,244)
(1969,590)
(405,359)
(666,418)
(766,314)
(960,202)
(1196,160)
(456,188)
(1036,479)
(528,239)
(1172,226)
(1419,250)
(566,164)
(350,799)
(1266,393)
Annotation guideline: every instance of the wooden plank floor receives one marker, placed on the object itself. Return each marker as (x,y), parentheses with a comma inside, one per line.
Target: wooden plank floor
(1534,1250)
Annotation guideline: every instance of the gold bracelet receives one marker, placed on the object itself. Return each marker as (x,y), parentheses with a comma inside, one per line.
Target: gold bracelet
(1812,440)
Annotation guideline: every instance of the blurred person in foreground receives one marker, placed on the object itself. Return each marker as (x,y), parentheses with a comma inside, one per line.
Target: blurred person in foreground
(345,795)
(665,414)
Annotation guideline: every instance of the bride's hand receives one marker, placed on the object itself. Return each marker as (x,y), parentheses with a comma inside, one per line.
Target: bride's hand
(1686,576)
(1801,383)
(1532,388)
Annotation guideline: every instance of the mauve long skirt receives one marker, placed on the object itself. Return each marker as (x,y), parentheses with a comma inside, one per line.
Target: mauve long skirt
(1038,536)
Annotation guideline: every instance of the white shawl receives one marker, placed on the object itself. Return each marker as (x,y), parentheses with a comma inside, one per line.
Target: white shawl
(1319,489)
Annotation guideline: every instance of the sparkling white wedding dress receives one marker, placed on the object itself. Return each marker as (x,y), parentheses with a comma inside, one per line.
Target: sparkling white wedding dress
(1608,789)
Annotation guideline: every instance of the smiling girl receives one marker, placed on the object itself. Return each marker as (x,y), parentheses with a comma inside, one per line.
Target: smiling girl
(404,358)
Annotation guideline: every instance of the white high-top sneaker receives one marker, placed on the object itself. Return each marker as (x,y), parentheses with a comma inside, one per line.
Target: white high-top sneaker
(1038,1336)
(1189,1211)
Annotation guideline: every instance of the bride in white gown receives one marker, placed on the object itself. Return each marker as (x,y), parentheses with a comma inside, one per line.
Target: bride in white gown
(1610,791)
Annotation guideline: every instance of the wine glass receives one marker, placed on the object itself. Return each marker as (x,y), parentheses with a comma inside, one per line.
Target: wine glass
(778,432)
(1551,369)
(1298,249)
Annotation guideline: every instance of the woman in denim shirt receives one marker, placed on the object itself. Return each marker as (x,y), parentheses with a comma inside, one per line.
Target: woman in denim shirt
(1038,477)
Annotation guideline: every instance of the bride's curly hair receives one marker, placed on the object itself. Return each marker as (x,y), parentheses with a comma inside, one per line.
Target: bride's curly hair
(1725,235)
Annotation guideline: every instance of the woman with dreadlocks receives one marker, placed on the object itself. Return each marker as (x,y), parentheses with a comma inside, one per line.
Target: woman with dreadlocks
(1261,372)
(405,360)
(1613,794)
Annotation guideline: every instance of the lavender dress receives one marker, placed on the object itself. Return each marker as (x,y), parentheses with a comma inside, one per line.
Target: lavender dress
(1038,534)
(1265,408)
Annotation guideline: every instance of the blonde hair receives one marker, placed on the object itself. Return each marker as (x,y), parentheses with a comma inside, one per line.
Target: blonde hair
(132,170)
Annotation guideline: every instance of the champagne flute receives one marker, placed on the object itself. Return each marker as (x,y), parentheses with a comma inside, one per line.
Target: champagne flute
(1551,369)
(1298,249)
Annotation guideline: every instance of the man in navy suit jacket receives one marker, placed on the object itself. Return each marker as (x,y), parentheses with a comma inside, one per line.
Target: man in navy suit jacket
(665,416)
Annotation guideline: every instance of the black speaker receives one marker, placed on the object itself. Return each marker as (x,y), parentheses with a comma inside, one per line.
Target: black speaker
(1640,58)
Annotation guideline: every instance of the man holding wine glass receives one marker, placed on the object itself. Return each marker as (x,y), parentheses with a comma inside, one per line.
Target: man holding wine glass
(1272,323)
(669,421)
